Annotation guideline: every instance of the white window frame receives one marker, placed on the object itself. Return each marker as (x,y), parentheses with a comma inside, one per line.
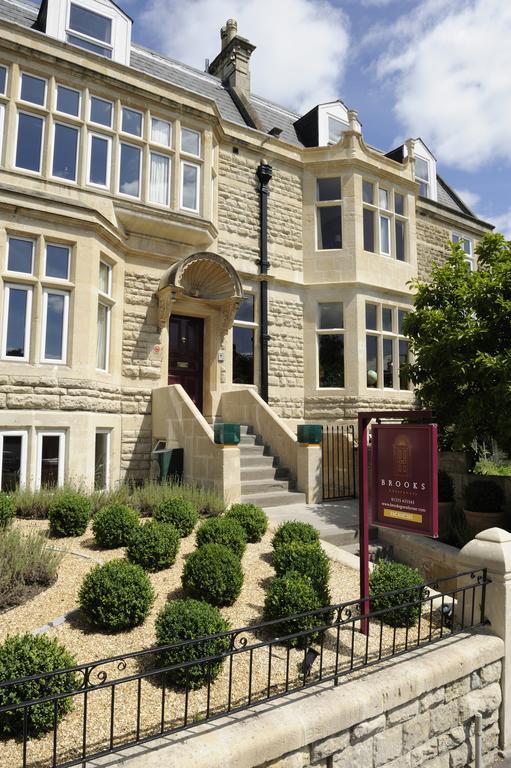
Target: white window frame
(42,118)
(28,326)
(51,277)
(105,101)
(184,151)
(108,307)
(77,154)
(94,134)
(87,38)
(61,434)
(108,433)
(380,334)
(109,268)
(252,325)
(389,214)
(153,141)
(169,184)
(181,200)
(24,440)
(328,204)
(65,329)
(4,92)
(329,332)
(140,162)
(25,240)
(2,123)
(140,136)
(80,99)
(469,257)
(36,77)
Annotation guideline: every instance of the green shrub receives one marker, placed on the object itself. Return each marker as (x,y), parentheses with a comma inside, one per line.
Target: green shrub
(26,655)
(252,519)
(483,496)
(7,509)
(181,513)
(69,514)
(25,561)
(445,486)
(288,595)
(489,467)
(387,577)
(223,530)
(114,525)
(117,595)
(213,573)
(307,560)
(189,619)
(292,530)
(154,546)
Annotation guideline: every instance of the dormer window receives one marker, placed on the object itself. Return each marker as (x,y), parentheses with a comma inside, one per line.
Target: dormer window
(422,175)
(335,129)
(90,30)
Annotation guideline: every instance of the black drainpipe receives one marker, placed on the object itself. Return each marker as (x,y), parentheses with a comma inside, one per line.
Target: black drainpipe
(264,174)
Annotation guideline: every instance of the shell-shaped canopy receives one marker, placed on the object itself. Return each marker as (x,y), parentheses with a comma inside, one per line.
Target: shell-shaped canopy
(204,276)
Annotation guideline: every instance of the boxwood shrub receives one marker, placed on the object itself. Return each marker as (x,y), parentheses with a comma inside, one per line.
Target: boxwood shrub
(114,525)
(153,545)
(388,576)
(69,514)
(117,595)
(292,530)
(7,509)
(190,619)
(181,512)
(213,573)
(252,519)
(307,560)
(223,530)
(24,656)
(288,595)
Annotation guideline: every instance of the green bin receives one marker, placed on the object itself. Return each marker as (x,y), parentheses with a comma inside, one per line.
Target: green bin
(227,434)
(169,463)
(310,434)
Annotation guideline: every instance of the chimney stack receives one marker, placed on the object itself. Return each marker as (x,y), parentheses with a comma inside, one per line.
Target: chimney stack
(232,65)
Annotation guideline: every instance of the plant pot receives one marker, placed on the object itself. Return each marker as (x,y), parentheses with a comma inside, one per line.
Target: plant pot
(480,521)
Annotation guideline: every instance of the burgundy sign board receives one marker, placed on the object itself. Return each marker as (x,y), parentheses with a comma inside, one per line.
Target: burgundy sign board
(405,477)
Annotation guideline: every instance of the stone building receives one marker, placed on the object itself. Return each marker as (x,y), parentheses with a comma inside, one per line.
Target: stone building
(164,226)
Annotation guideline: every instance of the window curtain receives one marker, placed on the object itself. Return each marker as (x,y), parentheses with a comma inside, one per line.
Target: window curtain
(159,180)
(160,132)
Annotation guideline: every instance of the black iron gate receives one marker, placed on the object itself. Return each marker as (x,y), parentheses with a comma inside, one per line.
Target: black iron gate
(338,465)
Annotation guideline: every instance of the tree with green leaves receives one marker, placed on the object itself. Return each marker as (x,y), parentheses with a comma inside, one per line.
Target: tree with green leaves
(460,336)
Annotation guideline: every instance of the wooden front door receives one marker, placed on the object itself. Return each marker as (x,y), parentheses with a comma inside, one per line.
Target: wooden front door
(186,335)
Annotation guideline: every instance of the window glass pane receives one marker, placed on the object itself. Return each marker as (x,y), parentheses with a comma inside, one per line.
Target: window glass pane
(99,157)
(330,316)
(424,189)
(335,129)
(372,360)
(101,111)
(401,317)
(89,46)
(159,179)
(384,198)
(190,141)
(246,310)
(28,147)
(367,192)
(388,363)
(131,121)
(3,79)
(331,360)
(421,169)
(189,192)
(329,189)
(467,246)
(20,255)
(371,317)
(160,131)
(384,235)
(242,355)
(368,230)
(50,457)
(33,89)
(329,227)
(89,23)
(65,152)
(54,341)
(16,319)
(386,319)
(57,262)
(129,177)
(101,461)
(399,203)
(104,278)
(11,461)
(400,240)
(68,100)
(404,381)
(101,350)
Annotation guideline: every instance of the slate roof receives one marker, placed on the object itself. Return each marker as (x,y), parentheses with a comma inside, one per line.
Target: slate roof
(271,115)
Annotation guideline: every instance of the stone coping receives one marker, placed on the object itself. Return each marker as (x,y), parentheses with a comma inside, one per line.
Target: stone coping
(269,731)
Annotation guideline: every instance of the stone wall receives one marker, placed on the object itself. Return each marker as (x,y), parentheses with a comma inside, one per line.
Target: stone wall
(286,355)
(140,327)
(331,407)
(432,244)
(136,446)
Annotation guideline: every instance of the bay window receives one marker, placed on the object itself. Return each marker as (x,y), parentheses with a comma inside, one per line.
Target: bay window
(329,213)
(16,321)
(190,142)
(103,317)
(384,221)
(190,186)
(55,324)
(330,341)
(386,347)
(56,262)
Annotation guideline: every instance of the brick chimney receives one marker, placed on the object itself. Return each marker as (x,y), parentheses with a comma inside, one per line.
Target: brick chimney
(232,65)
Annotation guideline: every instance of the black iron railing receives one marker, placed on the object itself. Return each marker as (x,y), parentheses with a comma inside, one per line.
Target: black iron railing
(127,700)
(338,462)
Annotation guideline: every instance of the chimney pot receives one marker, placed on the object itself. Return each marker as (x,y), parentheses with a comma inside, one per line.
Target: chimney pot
(228,32)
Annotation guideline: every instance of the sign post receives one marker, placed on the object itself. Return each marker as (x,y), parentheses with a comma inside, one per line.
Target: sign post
(404,489)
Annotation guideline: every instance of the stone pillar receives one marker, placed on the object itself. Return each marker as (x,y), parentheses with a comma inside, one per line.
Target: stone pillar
(308,472)
(491,549)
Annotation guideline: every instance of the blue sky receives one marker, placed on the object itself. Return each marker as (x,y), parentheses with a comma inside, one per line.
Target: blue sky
(439,69)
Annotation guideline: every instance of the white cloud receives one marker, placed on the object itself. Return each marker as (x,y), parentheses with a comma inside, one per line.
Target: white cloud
(503,223)
(469,198)
(302,45)
(449,64)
